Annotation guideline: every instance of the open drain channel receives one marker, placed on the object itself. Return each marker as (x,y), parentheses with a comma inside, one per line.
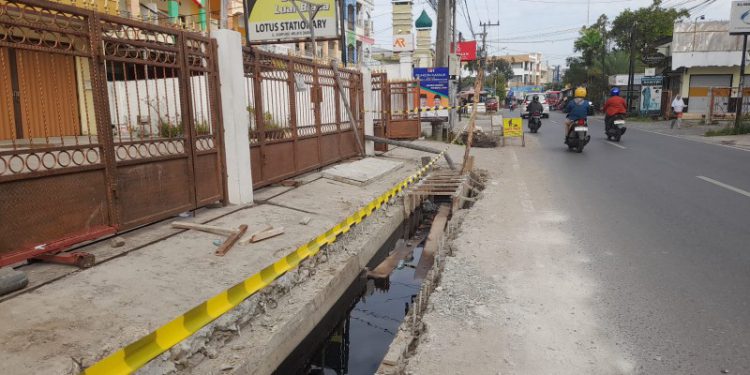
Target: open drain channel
(355,335)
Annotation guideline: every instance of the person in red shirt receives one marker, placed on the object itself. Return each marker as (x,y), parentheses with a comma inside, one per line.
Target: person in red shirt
(614,106)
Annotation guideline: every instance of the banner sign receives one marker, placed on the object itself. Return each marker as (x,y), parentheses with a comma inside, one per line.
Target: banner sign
(277,21)
(433,86)
(739,19)
(467,50)
(651,90)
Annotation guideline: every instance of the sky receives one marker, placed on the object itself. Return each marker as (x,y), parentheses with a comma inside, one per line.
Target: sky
(546,26)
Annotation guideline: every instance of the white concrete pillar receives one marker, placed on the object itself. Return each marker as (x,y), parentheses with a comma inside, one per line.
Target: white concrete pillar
(235,116)
(405,68)
(369,115)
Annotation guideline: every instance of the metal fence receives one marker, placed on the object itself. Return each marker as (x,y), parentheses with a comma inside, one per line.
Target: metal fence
(723,103)
(297,116)
(107,124)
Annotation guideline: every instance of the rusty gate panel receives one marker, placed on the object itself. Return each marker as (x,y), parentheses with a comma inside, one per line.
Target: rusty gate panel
(404,122)
(46,94)
(53,183)
(209,164)
(379,108)
(296,118)
(36,210)
(124,128)
(7,114)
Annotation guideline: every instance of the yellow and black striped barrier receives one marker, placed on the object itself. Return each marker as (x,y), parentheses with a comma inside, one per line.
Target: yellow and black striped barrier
(425,109)
(140,352)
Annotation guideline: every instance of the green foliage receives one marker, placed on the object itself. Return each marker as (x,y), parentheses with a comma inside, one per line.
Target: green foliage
(498,83)
(169,130)
(729,130)
(202,128)
(650,24)
(269,123)
(500,67)
(553,86)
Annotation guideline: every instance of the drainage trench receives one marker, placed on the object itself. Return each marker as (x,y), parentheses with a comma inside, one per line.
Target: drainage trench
(355,334)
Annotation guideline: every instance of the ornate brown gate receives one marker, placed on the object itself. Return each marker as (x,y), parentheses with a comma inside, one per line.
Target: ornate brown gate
(129,133)
(298,120)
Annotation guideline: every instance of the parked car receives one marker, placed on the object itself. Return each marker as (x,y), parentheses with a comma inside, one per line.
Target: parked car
(542,99)
(491,105)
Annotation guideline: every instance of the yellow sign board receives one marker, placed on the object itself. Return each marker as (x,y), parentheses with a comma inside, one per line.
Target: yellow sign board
(279,21)
(513,127)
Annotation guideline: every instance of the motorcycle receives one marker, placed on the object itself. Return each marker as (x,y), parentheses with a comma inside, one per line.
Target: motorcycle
(578,136)
(615,127)
(535,122)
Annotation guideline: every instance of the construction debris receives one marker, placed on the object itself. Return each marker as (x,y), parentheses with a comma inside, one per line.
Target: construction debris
(305,220)
(12,280)
(117,242)
(267,234)
(204,228)
(431,245)
(481,139)
(227,245)
(249,237)
(233,235)
(402,250)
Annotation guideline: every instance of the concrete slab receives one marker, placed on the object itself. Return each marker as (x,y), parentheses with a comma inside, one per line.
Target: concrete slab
(267,193)
(361,172)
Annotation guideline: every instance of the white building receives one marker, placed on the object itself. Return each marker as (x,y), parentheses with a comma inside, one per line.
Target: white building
(528,69)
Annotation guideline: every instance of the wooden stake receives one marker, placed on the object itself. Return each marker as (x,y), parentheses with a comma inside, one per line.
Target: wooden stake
(227,245)
(267,234)
(250,236)
(477,89)
(204,228)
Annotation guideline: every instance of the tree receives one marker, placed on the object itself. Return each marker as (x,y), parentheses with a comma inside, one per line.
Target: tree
(501,67)
(591,68)
(493,66)
(650,24)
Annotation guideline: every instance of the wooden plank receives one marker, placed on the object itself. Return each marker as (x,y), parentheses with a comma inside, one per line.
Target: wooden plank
(249,237)
(267,234)
(431,245)
(402,250)
(227,245)
(204,228)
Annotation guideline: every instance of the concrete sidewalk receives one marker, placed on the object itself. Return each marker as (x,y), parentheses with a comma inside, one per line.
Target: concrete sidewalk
(88,314)
(515,297)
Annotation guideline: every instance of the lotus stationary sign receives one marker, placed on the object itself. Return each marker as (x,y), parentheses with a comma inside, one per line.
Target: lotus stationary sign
(739,21)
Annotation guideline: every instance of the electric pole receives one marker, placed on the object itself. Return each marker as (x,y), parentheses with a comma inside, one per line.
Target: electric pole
(483,51)
(478,84)
(443,33)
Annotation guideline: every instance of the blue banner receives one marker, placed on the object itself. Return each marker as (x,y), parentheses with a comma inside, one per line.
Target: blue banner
(433,86)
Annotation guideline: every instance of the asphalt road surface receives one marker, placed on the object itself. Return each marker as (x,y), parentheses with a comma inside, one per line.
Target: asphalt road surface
(667,224)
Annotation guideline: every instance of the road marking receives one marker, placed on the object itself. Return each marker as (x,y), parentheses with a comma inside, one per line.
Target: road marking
(691,140)
(616,145)
(725,186)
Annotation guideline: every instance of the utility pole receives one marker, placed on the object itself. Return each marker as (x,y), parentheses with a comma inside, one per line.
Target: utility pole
(741,94)
(452,86)
(443,33)
(478,84)
(631,67)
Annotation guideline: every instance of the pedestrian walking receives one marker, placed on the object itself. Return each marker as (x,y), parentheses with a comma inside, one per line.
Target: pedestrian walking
(677,107)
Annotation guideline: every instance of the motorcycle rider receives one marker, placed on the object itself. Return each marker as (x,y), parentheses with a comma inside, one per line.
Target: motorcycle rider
(577,109)
(614,106)
(534,106)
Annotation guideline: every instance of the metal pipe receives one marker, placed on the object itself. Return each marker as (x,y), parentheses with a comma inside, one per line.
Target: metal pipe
(411,146)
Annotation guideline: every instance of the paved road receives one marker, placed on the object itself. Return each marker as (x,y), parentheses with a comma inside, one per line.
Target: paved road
(667,224)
